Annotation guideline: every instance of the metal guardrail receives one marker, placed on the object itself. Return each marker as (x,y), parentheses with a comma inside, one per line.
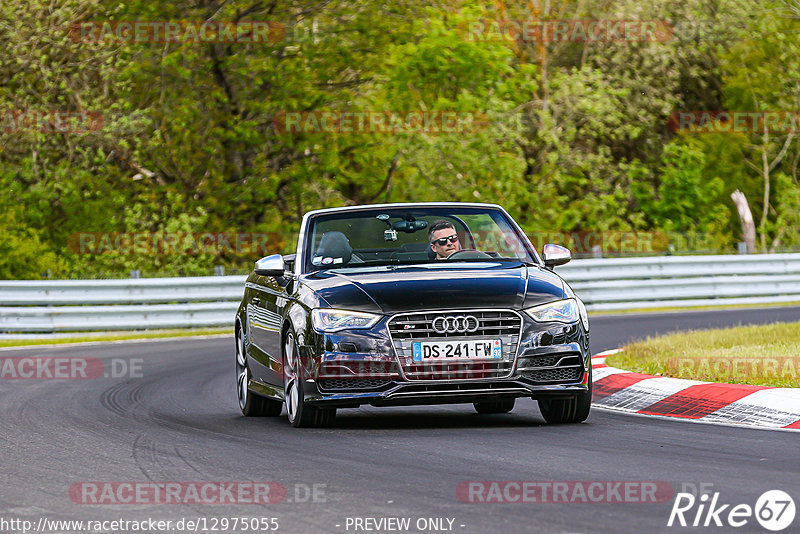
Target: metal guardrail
(131,304)
(684,281)
(125,291)
(603,284)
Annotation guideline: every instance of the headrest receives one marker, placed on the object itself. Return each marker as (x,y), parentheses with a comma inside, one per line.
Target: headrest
(333,249)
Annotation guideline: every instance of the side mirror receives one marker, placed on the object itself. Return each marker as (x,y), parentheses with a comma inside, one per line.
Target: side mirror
(555,255)
(271,266)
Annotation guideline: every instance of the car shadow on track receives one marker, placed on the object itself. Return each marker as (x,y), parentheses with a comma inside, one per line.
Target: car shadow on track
(357,420)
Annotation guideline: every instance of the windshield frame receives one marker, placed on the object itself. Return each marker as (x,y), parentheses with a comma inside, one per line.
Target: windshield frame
(305,267)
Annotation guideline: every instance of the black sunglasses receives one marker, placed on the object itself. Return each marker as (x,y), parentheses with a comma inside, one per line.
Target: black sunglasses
(442,241)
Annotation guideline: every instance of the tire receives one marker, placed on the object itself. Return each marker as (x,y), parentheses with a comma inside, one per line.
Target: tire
(250,404)
(572,410)
(498,406)
(300,413)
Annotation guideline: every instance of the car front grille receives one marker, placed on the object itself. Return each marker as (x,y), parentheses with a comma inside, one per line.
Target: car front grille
(554,375)
(550,369)
(407,328)
(351,384)
(548,361)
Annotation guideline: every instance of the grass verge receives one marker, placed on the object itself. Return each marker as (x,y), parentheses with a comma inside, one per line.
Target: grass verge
(81,337)
(763,355)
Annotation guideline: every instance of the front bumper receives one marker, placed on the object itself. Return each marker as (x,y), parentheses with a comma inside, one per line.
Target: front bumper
(451,392)
(550,361)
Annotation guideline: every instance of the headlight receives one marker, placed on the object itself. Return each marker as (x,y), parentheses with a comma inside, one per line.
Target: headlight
(328,320)
(584,315)
(562,311)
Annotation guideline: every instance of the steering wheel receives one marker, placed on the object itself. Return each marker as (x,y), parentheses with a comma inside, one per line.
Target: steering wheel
(468,255)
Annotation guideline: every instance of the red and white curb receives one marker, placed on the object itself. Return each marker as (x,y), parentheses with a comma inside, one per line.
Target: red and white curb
(704,402)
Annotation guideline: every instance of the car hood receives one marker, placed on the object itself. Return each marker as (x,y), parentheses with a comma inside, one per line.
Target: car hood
(412,288)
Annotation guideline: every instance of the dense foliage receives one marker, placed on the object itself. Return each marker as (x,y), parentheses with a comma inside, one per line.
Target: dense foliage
(571,135)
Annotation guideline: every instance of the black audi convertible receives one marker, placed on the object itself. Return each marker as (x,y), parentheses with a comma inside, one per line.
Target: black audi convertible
(404,304)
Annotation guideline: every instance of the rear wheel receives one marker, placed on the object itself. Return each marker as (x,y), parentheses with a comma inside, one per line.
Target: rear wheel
(299,412)
(498,406)
(251,405)
(572,410)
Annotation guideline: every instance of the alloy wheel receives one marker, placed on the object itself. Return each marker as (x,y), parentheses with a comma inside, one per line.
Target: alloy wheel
(242,372)
(290,379)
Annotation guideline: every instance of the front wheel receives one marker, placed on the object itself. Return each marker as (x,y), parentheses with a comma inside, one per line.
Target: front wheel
(572,410)
(251,405)
(299,412)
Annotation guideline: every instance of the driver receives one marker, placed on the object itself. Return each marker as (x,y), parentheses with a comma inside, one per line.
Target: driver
(443,239)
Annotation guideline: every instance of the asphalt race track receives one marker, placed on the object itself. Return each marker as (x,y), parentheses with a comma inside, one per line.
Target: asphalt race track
(174,418)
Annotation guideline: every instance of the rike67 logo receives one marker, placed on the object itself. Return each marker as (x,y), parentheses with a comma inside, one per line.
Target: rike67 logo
(774,510)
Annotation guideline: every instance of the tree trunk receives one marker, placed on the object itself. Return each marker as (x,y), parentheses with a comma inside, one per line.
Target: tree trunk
(746,216)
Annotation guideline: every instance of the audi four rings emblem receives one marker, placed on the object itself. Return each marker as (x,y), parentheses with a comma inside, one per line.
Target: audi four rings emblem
(455,323)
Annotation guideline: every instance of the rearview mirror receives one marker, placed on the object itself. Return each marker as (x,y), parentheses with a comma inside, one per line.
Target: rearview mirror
(271,266)
(555,255)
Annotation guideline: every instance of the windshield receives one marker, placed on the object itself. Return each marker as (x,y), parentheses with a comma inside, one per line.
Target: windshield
(411,236)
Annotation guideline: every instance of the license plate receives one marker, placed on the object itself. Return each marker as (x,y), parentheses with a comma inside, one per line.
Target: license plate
(425,351)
